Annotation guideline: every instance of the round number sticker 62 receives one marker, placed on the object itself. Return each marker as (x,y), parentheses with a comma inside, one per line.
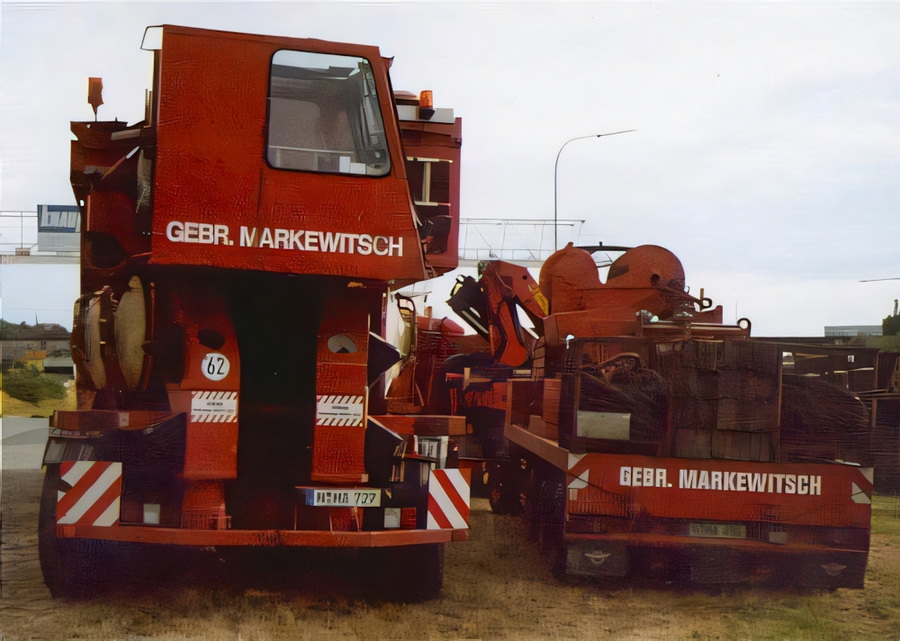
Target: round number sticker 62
(215,366)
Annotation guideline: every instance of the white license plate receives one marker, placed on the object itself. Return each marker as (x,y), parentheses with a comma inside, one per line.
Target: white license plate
(343,497)
(718,530)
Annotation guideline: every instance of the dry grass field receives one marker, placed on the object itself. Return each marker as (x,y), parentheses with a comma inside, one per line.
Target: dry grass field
(496,587)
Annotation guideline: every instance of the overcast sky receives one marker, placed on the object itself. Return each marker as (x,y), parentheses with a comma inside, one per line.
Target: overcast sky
(765,153)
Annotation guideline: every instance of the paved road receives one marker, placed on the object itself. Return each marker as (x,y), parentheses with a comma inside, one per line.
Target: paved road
(22,441)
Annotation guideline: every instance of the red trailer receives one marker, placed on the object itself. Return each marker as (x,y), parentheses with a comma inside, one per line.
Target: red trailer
(239,246)
(646,437)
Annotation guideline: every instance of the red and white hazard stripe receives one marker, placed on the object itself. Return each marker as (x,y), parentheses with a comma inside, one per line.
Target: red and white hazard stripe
(578,471)
(448,499)
(857,493)
(94,496)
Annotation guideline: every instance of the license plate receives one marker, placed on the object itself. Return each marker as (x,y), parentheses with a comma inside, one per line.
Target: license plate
(343,497)
(718,530)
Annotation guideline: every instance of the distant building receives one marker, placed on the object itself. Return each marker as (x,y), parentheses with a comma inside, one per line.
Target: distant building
(49,238)
(35,344)
(850,331)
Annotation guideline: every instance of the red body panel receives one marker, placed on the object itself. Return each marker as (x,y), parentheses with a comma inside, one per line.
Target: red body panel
(791,493)
(211,132)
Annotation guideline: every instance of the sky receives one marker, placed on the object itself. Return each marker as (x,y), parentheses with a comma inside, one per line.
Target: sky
(765,150)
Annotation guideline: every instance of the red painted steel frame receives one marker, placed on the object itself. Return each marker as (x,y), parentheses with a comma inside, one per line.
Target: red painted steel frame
(832,507)
(205,137)
(261,538)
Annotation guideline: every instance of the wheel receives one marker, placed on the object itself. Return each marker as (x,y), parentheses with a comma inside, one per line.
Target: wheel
(529,499)
(551,515)
(502,489)
(72,568)
(406,573)
(500,504)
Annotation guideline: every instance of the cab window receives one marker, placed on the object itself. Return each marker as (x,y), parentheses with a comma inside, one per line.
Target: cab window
(324,115)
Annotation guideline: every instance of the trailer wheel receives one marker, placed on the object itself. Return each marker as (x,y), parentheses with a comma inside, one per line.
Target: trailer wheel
(495,496)
(551,510)
(406,573)
(502,489)
(72,568)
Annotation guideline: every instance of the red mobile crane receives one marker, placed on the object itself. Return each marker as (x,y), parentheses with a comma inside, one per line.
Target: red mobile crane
(238,247)
(646,437)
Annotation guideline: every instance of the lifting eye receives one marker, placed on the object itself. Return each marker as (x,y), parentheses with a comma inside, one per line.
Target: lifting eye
(210,338)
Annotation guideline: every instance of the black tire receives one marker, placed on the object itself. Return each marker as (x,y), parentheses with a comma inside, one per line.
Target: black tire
(72,568)
(503,488)
(551,515)
(500,504)
(406,573)
(54,553)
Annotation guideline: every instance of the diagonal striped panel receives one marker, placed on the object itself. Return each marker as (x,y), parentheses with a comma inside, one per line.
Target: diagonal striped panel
(578,471)
(448,499)
(94,496)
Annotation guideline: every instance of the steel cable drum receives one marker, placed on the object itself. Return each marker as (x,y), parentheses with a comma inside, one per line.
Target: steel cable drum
(644,266)
(571,282)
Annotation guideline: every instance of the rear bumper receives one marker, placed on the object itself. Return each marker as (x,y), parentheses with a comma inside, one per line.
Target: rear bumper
(712,561)
(637,540)
(260,538)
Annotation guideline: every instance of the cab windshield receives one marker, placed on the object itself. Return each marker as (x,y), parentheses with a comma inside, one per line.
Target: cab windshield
(324,115)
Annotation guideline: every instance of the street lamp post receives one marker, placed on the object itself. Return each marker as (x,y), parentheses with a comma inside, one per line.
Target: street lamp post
(556,175)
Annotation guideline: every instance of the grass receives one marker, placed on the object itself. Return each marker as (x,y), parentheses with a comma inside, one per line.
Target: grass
(16,407)
(886,517)
(823,616)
